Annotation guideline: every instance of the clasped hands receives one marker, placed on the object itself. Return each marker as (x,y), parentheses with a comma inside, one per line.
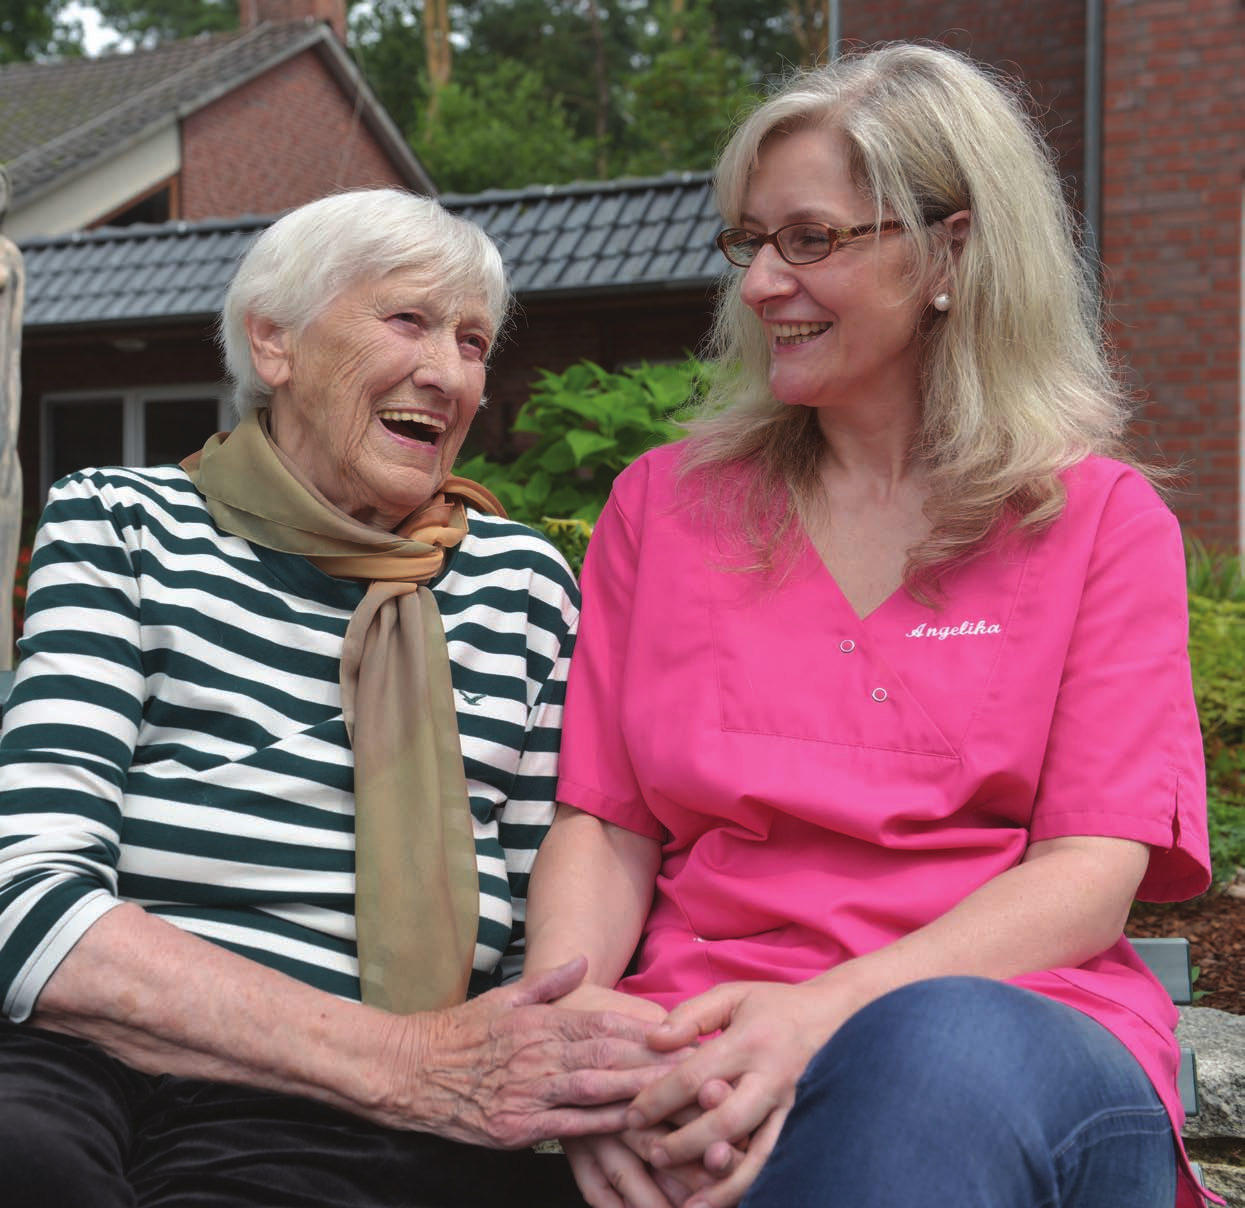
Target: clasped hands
(698,1135)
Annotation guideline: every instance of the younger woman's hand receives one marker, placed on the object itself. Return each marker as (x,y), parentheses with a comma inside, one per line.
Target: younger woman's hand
(614,1171)
(742,1080)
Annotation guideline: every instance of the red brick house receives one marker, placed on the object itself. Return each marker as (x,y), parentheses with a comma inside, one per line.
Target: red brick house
(209,128)
(250,122)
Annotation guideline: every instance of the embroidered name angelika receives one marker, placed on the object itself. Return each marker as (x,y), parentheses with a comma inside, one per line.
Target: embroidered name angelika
(965,629)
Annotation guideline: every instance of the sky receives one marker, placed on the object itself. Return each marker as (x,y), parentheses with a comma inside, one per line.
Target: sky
(96,36)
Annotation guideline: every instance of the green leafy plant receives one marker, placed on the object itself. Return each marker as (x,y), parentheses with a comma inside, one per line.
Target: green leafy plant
(1225,808)
(1214,574)
(1217,653)
(584,426)
(571,537)
(1217,656)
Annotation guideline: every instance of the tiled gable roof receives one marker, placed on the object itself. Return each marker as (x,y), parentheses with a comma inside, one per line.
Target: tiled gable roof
(567,240)
(58,119)
(613,235)
(173,272)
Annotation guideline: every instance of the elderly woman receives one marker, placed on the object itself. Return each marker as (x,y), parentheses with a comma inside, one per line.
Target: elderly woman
(882,686)
(279,753)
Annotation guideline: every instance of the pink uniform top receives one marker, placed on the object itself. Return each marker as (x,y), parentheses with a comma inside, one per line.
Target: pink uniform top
(823,784)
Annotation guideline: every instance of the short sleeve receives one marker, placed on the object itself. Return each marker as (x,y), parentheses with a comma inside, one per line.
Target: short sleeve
(595,773)
(1124,755)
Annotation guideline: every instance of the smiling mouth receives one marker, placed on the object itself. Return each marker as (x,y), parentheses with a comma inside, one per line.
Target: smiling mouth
(786,334)
(413,425)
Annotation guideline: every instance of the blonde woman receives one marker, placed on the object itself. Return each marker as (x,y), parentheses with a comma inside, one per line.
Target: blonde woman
(880,713)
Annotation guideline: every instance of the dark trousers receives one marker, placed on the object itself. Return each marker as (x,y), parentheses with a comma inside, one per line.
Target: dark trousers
(79,1129)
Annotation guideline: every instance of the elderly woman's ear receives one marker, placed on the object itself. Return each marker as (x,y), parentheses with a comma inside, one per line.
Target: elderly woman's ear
(270,350)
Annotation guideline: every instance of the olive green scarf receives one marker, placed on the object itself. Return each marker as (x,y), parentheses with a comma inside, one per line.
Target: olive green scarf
(417,897)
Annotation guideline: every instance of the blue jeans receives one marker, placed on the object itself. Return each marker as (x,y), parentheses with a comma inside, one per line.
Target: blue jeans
(960,1092)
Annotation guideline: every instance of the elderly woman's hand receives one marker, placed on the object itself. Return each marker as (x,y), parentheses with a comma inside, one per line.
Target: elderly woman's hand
(508,1068)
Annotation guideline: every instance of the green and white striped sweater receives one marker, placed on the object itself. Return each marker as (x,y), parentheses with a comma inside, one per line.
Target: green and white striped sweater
(175,736)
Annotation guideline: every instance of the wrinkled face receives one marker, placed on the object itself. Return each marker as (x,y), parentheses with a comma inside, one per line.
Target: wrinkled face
(373,399)
(842,331)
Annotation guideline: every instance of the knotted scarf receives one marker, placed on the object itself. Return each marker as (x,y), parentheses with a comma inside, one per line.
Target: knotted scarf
(417,898)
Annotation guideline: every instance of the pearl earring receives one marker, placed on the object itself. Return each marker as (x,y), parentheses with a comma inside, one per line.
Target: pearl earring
(942,302)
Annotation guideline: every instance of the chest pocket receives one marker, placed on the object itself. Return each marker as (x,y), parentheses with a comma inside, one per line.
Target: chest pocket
(796,662)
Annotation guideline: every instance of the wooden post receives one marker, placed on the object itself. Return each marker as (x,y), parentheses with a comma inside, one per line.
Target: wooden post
(12,292)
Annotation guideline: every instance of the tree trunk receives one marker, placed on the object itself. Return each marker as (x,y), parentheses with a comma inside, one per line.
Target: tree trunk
(811,26)
(603,90)
(437,52)
(677,9)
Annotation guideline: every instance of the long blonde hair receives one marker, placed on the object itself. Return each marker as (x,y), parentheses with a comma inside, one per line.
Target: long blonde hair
(1015,383)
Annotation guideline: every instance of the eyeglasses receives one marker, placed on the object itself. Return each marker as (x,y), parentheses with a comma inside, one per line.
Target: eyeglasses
(798,243)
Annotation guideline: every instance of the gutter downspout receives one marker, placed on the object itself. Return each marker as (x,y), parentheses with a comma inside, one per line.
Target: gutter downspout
(1091,194)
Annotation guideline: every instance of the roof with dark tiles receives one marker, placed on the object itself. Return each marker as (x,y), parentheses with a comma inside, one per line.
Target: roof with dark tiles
(60,119)
(575,240)
(611,236)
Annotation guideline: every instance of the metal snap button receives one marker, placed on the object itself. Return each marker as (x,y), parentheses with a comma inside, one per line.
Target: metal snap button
(879,694)
(847,645)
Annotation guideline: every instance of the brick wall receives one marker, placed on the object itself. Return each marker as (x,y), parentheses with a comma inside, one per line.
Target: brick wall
(1172,196)
(1041,44)
(254,12)
(287,137)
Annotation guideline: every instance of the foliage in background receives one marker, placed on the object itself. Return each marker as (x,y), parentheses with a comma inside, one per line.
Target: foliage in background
(571,537)
(583,427)
(608,90)
(473,143)
(21,575)
(30,30)
(678,109)
(1214,574)
(148,22)
(1217,654)
(1217,651)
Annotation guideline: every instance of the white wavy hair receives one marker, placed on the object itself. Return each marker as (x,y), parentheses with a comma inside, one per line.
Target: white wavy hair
(297,266)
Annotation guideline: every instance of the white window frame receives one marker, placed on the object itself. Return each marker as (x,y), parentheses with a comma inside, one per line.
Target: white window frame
(133,416)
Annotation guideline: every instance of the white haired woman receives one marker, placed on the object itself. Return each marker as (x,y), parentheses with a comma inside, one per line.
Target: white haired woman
(280,749)
(880,713)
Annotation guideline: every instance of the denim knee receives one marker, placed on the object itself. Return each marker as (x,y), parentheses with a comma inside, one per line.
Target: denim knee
(963,1091)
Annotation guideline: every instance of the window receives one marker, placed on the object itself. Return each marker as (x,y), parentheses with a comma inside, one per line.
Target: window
(148,427)
(159,205)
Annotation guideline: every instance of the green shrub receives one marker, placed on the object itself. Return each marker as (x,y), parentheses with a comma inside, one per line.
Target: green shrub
(588,425)
(1213,573)
(1225,808)
(1217,655)
(571,537)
